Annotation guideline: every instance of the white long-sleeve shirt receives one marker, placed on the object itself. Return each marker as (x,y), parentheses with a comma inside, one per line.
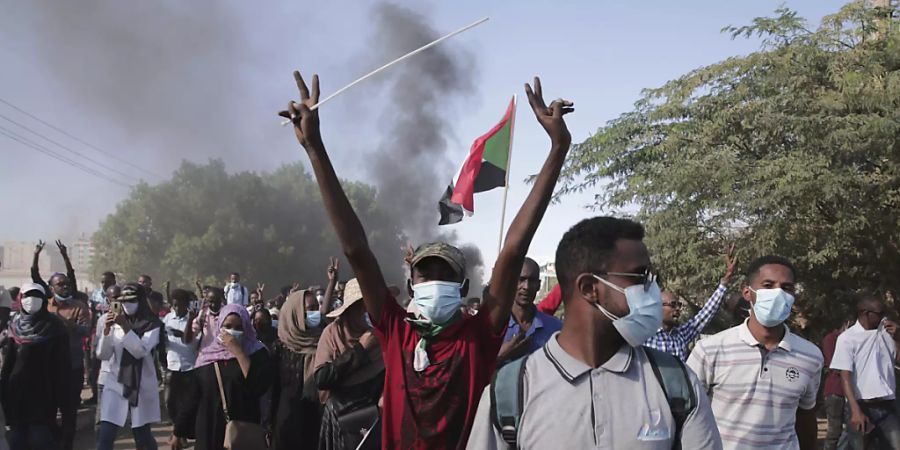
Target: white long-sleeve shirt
(114,406)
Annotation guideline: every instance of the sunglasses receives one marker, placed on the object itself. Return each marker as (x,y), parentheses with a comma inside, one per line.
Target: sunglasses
(647,278)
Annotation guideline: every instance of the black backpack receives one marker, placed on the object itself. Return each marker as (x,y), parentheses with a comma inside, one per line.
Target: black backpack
(508,395)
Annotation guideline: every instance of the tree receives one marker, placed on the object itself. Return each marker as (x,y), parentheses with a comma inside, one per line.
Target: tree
(790,150)
(205,223)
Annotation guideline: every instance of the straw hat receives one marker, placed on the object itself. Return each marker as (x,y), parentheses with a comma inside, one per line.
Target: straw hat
(352,294)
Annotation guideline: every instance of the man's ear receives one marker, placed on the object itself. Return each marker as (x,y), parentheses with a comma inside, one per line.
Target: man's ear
(748,294)
(584,286)
(464,288)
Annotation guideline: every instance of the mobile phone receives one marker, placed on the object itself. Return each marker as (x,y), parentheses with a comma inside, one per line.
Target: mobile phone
(115,307)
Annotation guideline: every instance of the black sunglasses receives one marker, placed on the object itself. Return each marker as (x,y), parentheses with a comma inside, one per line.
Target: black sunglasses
(647,278)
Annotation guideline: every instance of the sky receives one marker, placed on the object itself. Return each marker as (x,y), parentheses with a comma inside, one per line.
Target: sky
(152,83)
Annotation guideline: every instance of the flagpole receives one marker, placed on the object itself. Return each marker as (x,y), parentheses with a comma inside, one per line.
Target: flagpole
(512,129)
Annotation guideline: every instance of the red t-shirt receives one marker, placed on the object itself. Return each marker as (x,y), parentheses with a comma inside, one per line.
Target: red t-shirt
(551,302)
(833,384)
(434,409)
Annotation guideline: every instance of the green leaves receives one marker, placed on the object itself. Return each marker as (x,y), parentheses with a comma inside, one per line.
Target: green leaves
(205,223)
(790,150)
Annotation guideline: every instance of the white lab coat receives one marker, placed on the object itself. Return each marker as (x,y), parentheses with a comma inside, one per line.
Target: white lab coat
(114,408)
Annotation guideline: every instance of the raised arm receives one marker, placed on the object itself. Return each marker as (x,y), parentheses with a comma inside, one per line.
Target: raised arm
(325,307)
(346,224)
(70,271)
(506,272)
(35,270)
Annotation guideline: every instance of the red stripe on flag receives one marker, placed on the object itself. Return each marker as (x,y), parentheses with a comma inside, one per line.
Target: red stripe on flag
(464,186)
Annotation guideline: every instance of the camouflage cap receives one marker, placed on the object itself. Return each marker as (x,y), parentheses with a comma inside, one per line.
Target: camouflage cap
(442,250)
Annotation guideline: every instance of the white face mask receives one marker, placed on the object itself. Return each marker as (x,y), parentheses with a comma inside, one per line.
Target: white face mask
(130,308)
(772,307)
(319,298)
(237,334)
(438,301)
(31,305)
(644,312)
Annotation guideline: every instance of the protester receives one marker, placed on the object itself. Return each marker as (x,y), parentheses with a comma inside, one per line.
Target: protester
(181,355)
(235,292)
(256,299)
(265,332)
(549,304)
(34,377)
(865,355)
(738,308)
(437,363)
(129,378)
(528,329)
(246,372)
(349,373)
(473,305)
(203,327)
(613,306)
(154,298)
(6,300)
(834,393)
(761,378)
(99,305)
(77,317)
(300,325)
(674,338)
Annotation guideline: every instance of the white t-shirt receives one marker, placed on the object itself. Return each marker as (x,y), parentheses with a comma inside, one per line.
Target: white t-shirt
(235,293)
(869,355)
(180,357)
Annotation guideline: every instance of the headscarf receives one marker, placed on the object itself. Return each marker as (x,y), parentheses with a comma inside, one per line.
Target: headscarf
(339,338)
(292,330)
(41,326)
(141,322)
(215,351)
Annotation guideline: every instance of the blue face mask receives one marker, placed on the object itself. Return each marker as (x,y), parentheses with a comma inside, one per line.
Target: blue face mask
(438,301)
(644,312)
(772,307)
(313,318)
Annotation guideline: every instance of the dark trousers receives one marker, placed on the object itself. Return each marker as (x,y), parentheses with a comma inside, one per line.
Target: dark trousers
(93,375)
(834,411)
(178,393)
(31,437)
(886,431)
(69,409)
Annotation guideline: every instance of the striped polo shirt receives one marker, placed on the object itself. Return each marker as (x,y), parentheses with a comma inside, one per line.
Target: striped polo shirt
(755,393)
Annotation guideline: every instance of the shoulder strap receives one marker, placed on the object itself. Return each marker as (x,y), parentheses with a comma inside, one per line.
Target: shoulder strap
(221,391)
(676,385)
(507,399)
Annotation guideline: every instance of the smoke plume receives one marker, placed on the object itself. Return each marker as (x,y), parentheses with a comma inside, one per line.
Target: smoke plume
(411,165)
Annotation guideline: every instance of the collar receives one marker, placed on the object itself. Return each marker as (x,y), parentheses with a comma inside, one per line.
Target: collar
(536,323)
(747,336)
(571,369)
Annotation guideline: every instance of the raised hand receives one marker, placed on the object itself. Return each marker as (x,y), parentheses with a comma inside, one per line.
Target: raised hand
(333,269)
(63,250)
(305,120)
(39,247)
(260,287)
(550,117)
(295,287)
(730,264)
(230,343)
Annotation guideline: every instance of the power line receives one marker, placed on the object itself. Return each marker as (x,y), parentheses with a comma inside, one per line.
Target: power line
(111,169)
(35,146)
(83,142)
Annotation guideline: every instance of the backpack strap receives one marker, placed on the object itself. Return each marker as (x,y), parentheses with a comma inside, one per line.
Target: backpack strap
(673,378)
(507,399)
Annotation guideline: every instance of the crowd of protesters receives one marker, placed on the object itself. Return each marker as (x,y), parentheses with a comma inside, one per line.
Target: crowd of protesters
(356,366)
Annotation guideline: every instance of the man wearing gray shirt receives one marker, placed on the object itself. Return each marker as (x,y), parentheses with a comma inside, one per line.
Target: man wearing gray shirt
(592,385)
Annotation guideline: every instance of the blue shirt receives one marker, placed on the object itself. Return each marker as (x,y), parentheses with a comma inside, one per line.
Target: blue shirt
(542,328)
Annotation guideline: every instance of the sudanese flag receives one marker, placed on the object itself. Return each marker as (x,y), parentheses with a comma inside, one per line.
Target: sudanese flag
(484,169)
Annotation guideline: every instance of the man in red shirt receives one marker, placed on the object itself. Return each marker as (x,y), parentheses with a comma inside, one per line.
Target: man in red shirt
(436,364)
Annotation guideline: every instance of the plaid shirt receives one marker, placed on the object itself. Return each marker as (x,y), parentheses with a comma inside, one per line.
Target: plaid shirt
(676,340)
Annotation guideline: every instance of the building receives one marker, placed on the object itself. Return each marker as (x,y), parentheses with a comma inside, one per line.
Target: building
(82,254)
(548,280)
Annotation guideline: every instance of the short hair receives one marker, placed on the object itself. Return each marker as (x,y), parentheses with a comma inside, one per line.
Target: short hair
(216,291)
(146,277)
(865,299)
(473,301)
(181,295)
(235,273)
(587,246)
(756,264)
(109,274)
